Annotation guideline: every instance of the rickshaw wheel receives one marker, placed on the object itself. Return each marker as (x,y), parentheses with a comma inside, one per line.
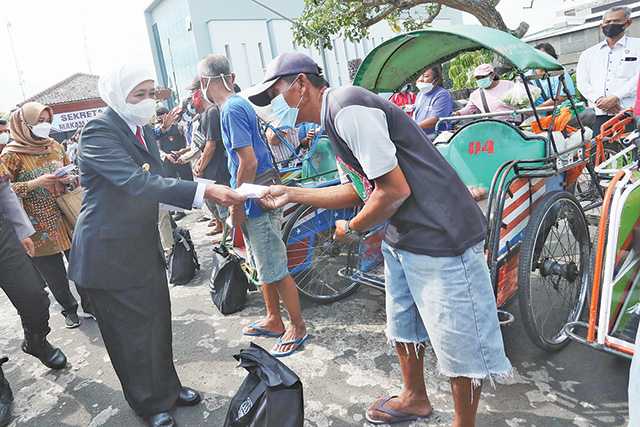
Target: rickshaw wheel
(316,259)
(553,270)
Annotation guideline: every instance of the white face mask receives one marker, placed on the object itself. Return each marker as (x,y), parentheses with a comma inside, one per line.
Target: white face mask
(205,88)
(42,130)
(424,87)
(141,113)
(4,138)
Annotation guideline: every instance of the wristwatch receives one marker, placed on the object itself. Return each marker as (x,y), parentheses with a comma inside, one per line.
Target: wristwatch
(348,231)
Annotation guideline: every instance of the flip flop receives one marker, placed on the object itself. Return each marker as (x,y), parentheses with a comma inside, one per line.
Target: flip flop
(261,332)
(396,416)
(297,343)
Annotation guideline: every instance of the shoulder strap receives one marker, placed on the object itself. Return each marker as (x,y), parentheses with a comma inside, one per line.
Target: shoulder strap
(543,94)
(485,104)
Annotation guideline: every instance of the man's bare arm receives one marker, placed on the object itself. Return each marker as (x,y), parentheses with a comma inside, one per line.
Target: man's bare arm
(391,190)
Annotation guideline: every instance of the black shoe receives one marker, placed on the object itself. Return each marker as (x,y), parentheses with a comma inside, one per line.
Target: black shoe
(6,397)
(162,419)
(71,320)
(178,216)
(188,397)
(38,346)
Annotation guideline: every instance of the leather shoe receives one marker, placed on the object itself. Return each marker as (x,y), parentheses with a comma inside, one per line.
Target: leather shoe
(188,397)
(162,419)
(38,346)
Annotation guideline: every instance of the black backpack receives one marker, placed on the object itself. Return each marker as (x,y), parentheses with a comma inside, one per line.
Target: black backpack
(183,261)
(270,396)
(228,284)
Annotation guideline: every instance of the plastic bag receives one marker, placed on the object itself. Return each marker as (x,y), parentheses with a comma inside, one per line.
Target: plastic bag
(517,96)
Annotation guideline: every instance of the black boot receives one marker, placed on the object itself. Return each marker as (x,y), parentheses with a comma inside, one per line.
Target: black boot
(6,397)
(38,346)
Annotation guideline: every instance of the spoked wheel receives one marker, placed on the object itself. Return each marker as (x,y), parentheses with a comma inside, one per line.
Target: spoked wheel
(314,257)
(553,269)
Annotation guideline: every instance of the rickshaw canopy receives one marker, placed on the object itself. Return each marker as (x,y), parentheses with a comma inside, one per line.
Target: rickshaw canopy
(399,59)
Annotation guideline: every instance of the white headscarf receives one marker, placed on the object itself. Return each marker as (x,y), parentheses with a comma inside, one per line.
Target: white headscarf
(115,86)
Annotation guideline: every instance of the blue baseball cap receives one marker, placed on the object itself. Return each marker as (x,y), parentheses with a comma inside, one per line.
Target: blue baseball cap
(285,64)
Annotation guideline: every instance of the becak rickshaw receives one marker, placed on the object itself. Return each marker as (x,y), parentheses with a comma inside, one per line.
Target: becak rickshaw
(538,245)
(614,306)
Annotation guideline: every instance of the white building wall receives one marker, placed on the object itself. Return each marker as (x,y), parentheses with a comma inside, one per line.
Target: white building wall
(248,43)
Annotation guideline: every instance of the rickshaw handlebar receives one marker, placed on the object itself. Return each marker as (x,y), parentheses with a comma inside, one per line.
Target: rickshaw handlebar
(497,114)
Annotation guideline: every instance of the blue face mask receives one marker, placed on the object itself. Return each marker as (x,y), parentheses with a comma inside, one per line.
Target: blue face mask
(484,82)
(286,115)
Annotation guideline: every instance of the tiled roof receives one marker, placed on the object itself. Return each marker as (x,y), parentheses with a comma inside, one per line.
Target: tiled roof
(77,87)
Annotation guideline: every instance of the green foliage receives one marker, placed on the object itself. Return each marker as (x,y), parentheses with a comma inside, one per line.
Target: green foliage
(461,68)
(322,20)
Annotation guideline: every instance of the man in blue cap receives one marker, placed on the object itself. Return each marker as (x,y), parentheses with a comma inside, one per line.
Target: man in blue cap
(435,270)
(249,161)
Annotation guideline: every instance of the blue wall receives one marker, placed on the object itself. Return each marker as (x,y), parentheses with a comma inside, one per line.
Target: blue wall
(177,43)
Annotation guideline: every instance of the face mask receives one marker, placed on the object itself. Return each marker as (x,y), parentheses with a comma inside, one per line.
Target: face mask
(141,113)
(4,138)
(424,87)
(205,89)
(485,82)
(42,130)
(613,30)
(286,115)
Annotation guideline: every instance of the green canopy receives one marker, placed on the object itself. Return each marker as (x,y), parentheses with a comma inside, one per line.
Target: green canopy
(394,62)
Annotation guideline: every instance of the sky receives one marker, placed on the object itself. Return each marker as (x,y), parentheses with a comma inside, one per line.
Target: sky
(54,39)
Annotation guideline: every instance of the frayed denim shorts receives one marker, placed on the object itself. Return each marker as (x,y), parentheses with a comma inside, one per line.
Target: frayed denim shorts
(263,236)
(451,298)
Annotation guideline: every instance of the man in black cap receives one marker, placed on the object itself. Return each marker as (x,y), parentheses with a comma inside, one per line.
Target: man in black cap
(171,140)
(435,270)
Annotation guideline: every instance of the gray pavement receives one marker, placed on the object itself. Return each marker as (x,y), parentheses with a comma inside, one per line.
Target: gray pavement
(346,365)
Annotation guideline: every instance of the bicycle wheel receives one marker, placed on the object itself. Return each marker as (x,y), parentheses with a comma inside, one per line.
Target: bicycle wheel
(314,258)
(553,269)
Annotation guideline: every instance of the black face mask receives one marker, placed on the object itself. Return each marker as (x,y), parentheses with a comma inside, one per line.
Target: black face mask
(613,30)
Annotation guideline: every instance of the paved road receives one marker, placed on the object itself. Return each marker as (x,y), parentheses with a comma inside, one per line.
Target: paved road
(345,366)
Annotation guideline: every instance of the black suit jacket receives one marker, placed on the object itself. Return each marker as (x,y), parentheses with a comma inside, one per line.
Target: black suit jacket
(116,240)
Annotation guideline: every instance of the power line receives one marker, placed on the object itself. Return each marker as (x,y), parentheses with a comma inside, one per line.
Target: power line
(15,61)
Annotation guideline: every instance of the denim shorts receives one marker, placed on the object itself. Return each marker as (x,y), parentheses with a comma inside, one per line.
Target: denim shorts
(452,298)
(263,236)
(220,212)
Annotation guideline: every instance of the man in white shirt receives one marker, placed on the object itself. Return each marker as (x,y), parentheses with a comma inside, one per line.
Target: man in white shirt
(607,73)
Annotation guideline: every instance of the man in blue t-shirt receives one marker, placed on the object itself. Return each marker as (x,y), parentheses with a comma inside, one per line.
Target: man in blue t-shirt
(249,161)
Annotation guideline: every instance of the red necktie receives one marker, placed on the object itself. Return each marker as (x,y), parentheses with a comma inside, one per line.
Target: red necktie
(139,137)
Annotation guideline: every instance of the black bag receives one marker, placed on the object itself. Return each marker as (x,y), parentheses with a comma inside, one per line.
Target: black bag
(228,284)
(270,396)
(183,261)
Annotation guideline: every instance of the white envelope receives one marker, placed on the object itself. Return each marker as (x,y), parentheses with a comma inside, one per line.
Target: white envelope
(252,191)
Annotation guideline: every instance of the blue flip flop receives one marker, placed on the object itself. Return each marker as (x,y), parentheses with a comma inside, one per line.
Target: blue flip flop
(261,332)
(396,416)
(297,343)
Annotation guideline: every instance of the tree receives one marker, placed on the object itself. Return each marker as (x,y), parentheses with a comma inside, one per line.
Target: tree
(322,19)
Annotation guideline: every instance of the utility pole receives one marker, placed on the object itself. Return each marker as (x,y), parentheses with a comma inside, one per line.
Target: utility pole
(86,49)
(15,61)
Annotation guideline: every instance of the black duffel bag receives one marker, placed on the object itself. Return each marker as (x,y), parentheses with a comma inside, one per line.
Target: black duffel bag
(183,261)
(228,284)
(270,396)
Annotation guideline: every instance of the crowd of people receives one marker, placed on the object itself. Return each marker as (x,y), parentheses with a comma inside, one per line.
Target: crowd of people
(606,78)
(138,154)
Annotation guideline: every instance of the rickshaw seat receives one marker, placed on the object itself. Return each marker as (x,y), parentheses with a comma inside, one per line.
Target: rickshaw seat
(478,149)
